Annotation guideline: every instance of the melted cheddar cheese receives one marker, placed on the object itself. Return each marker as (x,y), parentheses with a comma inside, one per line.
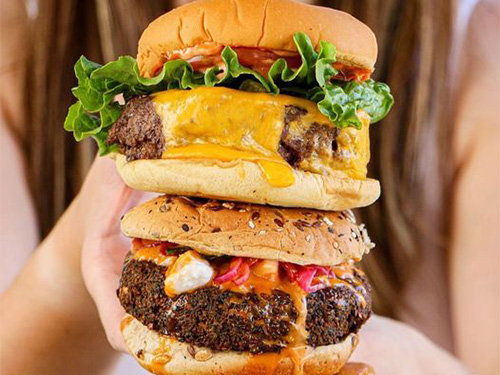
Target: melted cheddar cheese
(276,171)
(228,125)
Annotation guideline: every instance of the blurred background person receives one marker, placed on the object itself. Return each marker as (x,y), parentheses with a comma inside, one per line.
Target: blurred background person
(436,265)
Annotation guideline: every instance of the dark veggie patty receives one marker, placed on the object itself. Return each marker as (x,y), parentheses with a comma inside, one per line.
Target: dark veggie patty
(225,320)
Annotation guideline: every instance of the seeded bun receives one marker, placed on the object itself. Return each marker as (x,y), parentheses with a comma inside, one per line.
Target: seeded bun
(243,181)
(164,356)
(300,236)
(268,24)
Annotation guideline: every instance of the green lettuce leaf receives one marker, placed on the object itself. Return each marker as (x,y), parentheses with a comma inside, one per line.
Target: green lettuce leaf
(98,86)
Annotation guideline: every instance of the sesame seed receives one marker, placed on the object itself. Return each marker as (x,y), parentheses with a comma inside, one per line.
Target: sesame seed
(350,216)
(262,232)
(251,224)
(327,221)
(185,227)
(308,238)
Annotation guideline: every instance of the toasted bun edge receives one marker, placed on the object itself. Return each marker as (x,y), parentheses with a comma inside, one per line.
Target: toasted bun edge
(165,356)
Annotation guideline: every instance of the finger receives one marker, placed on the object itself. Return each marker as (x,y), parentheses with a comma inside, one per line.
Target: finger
(105,198)
(102,274)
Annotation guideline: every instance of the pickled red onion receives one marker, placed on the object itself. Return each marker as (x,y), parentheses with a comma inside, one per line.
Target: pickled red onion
(232,272)
(243,274)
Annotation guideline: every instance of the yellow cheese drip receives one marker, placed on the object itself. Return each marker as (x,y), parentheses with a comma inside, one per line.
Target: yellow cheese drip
(253,123)
(232,118)
(276,171)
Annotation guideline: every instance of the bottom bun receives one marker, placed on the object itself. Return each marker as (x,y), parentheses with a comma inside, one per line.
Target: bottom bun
(243,181)
(164,356)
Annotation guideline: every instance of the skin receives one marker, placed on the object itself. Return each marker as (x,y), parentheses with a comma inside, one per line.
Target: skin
(62,295)
(475,260)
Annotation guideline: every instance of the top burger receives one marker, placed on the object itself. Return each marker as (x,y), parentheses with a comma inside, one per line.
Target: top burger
(263,101)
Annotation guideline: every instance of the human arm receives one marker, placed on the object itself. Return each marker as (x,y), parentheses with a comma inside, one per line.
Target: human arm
(475,252)
(49,321)
(395,348)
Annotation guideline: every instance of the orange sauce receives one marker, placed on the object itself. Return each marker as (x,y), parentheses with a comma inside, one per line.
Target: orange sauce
(268,363)
(152,254)
(254,284)
(125,322)
(296,351)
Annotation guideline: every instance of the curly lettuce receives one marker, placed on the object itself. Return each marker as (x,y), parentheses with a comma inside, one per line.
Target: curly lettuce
(96,109)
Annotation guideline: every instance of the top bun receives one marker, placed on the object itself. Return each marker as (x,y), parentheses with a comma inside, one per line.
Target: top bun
(268,24)
(300,236)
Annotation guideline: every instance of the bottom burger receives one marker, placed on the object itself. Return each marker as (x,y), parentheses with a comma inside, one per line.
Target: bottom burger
(214,287)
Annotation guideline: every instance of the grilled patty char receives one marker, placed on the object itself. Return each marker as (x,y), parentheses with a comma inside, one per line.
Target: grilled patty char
(297,145)
(138,131)
(224,320)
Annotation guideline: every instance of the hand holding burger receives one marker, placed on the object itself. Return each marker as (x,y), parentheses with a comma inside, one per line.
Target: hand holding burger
(261,114)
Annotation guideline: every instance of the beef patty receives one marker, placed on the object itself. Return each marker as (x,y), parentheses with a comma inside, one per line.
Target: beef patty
(225,320)
(299,143)
(138,132)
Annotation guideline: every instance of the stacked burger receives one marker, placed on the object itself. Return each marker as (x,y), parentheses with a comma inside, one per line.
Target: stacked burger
(252,116)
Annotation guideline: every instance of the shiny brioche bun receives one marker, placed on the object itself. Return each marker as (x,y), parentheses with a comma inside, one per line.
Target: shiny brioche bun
(268,24)
(243,181)
(300,236)
(164,356)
